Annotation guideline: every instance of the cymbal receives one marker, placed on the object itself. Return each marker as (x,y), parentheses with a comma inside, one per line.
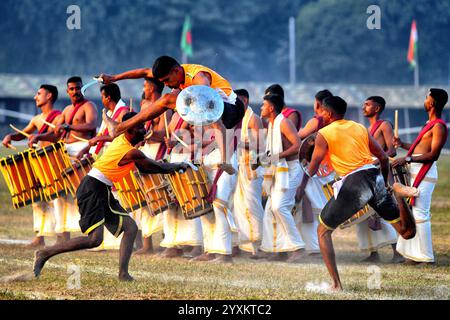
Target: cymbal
(199,105)
(307,147)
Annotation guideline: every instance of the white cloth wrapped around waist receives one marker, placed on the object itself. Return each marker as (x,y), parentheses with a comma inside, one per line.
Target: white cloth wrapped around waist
(338,184)
(74,148)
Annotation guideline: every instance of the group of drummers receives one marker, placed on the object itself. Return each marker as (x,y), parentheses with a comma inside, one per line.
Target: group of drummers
(268,185)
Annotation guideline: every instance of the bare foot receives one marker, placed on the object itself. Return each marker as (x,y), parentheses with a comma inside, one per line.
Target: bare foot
(39,261)
(397,258)
(296,256)
(221,258)
(36,243)
(204,257)
(110,124)
(195,252)
(125,277)
(374,257)
(171,253)
(235,252)
(281,256)
(145,251)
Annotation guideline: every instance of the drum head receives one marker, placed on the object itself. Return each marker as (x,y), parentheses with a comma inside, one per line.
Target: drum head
(199,105)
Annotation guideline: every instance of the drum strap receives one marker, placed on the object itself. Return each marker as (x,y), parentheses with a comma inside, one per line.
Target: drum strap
(288,111)
(105,132)
(425,166)
(375,127)
(50,117)
(76,107)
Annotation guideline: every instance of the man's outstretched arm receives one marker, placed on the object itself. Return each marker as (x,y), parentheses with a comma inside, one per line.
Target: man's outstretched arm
(131,74)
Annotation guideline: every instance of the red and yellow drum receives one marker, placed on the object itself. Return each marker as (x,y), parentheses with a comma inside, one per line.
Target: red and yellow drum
(157,190)
(79,169)
(23,185)
(130,193)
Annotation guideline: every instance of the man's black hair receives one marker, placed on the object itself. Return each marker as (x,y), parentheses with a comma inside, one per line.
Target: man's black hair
(440,96)
(378,100)
(336,104)
(158,84)
(242,92)
(163,65)
(275,89)
(276,100)
(323,94)
(52,89)
(74,79)
(112,90)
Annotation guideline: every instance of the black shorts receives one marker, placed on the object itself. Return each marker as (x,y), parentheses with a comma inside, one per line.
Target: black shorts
(360,188)
(232,114)
(98,206)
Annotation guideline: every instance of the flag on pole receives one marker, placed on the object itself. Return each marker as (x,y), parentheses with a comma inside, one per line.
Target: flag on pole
(412,50)
(186,38)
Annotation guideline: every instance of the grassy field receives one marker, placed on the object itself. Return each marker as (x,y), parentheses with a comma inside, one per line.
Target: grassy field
(244,279)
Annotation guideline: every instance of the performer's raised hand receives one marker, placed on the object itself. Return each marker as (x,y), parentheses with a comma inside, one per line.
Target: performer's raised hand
(107,78)
(7,141)
(397,142)
(32,140)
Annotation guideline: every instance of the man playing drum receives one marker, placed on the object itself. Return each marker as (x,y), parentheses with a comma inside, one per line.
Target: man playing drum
(280,234)
(375,233)
(79,119)
(350,147)
(98,207)
(422,156)
(43,216)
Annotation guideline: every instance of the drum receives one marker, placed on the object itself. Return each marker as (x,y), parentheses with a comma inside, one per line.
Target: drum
(23,185)
(79,169)
(191,189)
(401,175)
(157,190)
(48,164)
(363,214)
(130,193)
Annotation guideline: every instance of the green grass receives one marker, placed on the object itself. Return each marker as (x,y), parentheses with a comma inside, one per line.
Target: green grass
(245,279)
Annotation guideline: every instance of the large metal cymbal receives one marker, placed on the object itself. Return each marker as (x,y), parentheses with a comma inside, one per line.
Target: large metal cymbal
(307,147)
(199,105)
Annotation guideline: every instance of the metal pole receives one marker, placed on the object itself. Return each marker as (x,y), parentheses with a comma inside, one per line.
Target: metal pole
(292,50)
(184,59)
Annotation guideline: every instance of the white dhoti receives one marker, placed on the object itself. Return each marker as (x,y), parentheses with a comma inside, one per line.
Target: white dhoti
(420,248)
(316,196)
(218,226)
(43,219)
(66,212)
(247,209)
(280,233)
(371,240)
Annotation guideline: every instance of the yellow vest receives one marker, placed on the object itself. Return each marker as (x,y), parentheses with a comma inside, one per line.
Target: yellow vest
(348,145)
(108,162)
(217,81)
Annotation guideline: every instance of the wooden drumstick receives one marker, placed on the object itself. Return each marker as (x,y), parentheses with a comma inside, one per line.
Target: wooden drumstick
(9,145)
(51,125)
(131,104)
(20,131)
(180,141)
(165,124)
(396,124)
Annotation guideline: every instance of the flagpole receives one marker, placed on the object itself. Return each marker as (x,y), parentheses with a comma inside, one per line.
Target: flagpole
(184,59)
(292,78)
(416,71)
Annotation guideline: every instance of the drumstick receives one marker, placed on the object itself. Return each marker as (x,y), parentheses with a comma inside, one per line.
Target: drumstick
(180,141)
(51,125)
(131,104)
(20,131)
(396,124)
(9,145)
(165,124)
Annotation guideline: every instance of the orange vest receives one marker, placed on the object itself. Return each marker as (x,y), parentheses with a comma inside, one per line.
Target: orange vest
(217,81)
(108,162)
(348,145)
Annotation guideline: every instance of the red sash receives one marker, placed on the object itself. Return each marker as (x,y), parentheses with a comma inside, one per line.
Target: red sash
(375,127)
(425,166)
(288,111)
(76,106)
(105,132)
(50,117)
(148,124)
